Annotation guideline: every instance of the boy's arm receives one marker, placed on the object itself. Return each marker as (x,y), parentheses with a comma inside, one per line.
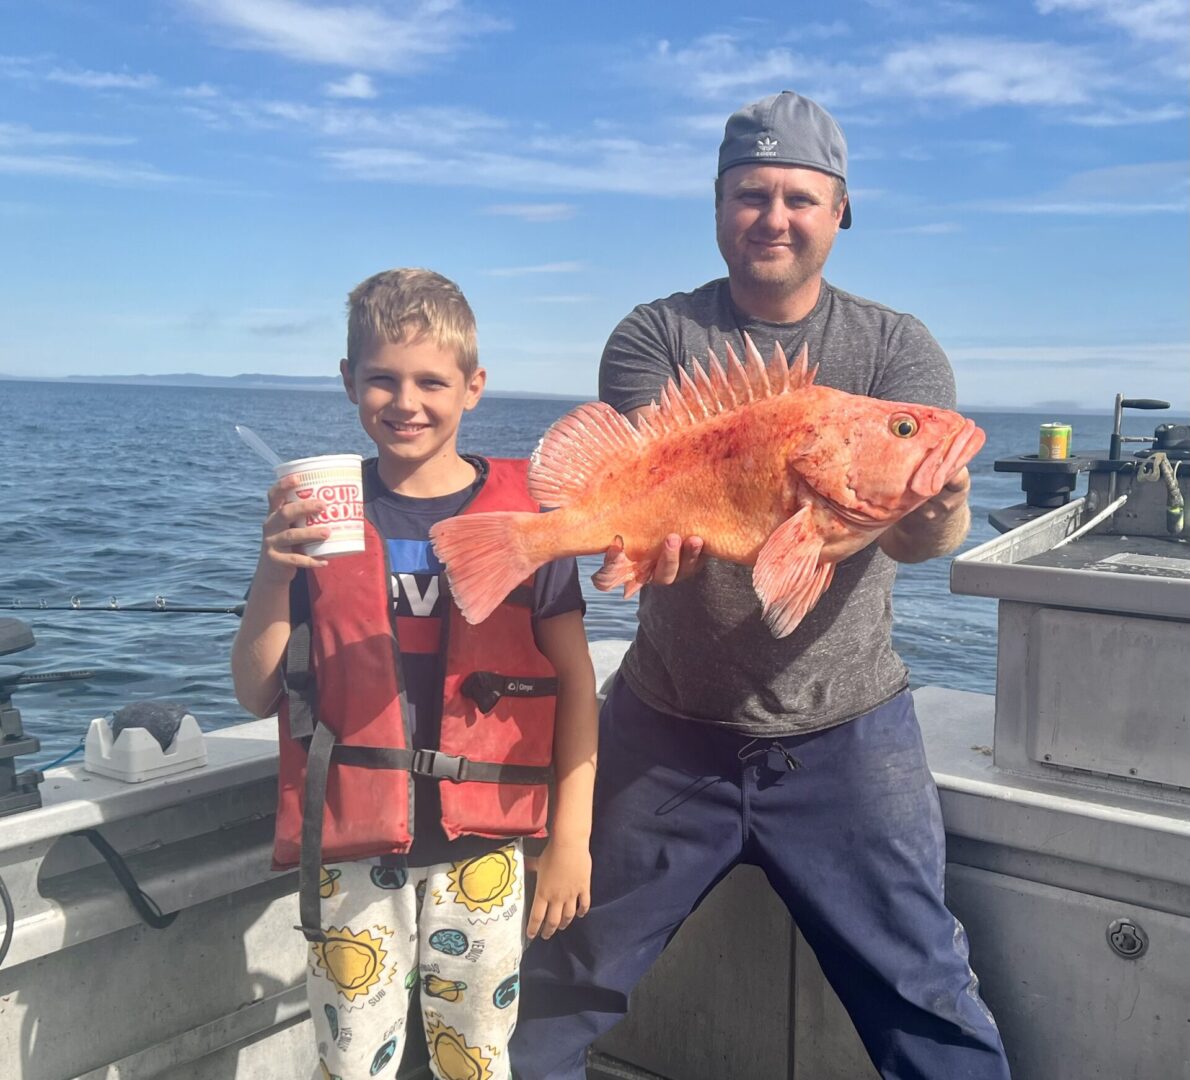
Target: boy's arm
(564,869)
(261,641)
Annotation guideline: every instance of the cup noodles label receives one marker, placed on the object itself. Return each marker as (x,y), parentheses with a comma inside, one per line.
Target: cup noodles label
(344,502)
(339,488)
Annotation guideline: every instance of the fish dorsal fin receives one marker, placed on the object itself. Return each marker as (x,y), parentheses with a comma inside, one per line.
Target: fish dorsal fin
(575,449)
(717,388)
(578,446)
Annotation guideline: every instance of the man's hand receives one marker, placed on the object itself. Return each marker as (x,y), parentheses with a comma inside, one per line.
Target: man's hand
(563,888)
(936,527)
(679,559)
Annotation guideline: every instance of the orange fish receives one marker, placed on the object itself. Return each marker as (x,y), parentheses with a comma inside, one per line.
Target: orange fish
(762,464)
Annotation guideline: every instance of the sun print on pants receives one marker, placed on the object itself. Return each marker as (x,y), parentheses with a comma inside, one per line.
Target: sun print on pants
(354,962)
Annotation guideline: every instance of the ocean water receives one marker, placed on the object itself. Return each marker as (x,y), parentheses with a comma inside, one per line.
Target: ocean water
(130,492)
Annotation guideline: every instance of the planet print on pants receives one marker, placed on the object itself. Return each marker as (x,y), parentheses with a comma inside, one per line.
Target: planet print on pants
(451,942)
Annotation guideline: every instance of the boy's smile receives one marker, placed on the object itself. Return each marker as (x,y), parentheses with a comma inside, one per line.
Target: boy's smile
(411,396)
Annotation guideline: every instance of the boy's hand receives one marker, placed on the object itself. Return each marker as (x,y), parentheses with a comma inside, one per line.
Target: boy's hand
(284,530)
(563,888)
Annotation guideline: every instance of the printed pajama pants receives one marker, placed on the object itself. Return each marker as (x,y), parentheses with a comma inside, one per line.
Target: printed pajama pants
(453,930)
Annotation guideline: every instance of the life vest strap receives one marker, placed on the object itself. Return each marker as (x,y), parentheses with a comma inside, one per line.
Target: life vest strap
(297,675)
(318,763)
(439,766)
(432,763)
(486,688)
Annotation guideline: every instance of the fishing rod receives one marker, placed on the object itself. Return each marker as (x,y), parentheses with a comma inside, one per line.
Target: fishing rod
(159,604)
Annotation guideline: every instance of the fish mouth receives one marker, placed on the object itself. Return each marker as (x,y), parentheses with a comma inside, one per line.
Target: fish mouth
(946,459)
(853,516)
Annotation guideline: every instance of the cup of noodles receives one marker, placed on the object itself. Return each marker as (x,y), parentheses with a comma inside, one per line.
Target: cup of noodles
(337,481)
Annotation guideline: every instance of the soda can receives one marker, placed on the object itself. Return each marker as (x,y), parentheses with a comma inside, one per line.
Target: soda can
(1055,441)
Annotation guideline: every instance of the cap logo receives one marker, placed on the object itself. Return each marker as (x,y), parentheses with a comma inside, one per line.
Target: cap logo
(766,147)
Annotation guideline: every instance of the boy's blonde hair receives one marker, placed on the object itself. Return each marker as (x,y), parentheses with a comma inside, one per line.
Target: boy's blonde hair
(402,305)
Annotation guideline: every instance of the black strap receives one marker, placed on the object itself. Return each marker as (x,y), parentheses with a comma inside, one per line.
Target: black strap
(439,766)
(430,763)
(145,905)
(318,763)
(486,688)
(298,676)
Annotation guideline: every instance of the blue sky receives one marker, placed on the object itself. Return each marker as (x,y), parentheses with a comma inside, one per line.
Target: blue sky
(195,185)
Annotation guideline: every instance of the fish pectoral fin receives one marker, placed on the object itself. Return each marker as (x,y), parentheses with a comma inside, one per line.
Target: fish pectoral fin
(788,577)
(622,570)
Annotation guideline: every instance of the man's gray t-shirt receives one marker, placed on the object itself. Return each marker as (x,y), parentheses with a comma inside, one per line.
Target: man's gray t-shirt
(702,650)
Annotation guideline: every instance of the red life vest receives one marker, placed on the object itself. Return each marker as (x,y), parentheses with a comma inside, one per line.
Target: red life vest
(343,715)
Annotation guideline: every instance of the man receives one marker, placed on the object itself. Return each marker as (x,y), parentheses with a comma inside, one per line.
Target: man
(722,744)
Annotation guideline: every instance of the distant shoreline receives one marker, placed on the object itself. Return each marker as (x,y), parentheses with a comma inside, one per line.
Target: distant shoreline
(245,382)
(1059,410)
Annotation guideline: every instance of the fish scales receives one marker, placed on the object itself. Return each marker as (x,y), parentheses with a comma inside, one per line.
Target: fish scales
(770,470)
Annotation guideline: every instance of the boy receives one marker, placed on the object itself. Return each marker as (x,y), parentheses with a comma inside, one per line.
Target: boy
(413,852)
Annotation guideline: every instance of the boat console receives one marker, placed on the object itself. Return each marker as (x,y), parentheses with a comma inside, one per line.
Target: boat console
(1093,684)
(19,791)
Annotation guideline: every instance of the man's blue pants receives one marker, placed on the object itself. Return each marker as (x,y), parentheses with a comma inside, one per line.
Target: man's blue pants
(852,841)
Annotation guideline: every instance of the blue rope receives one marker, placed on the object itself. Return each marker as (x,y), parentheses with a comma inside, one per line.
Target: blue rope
(65,757)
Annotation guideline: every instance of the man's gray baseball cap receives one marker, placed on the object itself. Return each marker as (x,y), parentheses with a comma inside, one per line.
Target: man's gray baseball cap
(786,129)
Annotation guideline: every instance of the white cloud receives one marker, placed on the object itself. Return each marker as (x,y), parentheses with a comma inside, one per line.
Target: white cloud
(1085,376)
(1146,20)
(542,268)
(1118,115)
(355,36)
(68,167)
(356,85)
(936,228)
(25,151)
(202,92)
(534,212)
(279,322)
(425,126)
(621,166)
(1120,190)
(102,80)
(1158,356)
(967,71)
(718,66)
(21,135)
(988,71)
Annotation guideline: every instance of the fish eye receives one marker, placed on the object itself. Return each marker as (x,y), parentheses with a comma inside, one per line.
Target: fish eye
(902,426)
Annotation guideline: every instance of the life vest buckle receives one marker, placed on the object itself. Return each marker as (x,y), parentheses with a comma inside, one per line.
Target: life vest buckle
(440,766)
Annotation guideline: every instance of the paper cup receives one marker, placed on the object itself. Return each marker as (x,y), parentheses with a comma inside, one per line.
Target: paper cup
(337,481)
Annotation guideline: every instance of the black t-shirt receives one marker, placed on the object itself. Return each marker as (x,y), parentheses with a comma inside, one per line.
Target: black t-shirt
(420,599)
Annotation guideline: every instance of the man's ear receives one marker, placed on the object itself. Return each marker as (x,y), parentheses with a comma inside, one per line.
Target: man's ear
(348,381)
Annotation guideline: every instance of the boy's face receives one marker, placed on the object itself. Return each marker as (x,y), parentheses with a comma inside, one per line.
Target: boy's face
(411,397)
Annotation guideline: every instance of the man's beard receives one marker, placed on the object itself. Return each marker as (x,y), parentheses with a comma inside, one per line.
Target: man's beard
(768,280)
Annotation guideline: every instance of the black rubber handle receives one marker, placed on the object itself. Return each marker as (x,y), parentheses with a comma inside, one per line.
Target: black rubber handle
(1143,403)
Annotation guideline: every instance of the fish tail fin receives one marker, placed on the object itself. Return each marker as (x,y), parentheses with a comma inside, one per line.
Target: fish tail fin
(576,450)
(486,556)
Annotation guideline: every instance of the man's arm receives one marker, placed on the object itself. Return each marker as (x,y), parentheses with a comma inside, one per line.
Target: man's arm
(564,869)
